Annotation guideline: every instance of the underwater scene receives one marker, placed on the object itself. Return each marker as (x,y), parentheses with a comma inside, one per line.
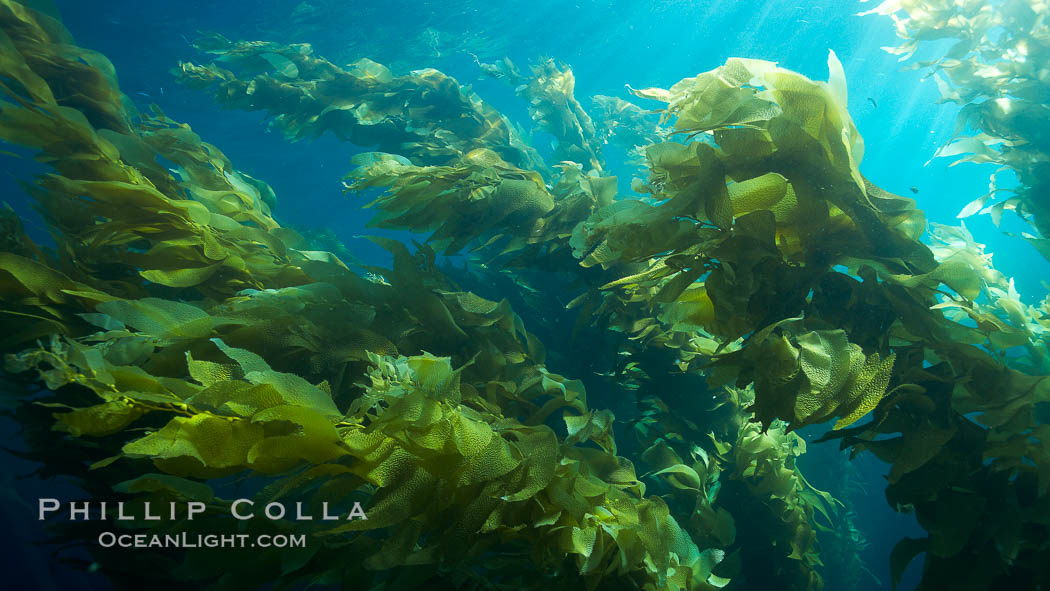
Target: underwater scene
(603,295)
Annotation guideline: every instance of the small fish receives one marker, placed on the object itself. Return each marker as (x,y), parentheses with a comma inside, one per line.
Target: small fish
(873,103)
(914,189)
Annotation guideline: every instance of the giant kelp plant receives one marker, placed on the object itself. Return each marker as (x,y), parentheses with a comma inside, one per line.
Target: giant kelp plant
(194,349)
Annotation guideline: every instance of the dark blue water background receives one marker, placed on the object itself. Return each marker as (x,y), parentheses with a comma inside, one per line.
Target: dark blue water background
(608,44)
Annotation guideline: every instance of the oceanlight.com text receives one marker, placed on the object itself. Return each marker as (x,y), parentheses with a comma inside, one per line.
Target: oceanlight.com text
(185,540)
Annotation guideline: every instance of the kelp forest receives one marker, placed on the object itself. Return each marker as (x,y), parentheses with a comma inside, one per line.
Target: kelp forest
(174,342)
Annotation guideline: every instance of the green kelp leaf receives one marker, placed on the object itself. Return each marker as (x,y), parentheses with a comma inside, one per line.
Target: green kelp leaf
(913,449)
(770,192)
(13,64)
(714,99)
(470,434)
(903,553)
(180,487)
(105,462)
(957,275)
(29,277)
(956,516)
(248,361)
(593,425)
(134,382)
(538,448)
(660,455)
(820,507)
(404,498)
(188,277)
(103,321)
(236,398)
(164,319)
(208,373)
(496,460)
(681,476)
(435,376)
(1041,244)
(282,65)
(583,541)
(724,528)
(296,391)
(99,420)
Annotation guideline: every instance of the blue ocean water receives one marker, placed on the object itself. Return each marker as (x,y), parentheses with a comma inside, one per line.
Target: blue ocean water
(609,44)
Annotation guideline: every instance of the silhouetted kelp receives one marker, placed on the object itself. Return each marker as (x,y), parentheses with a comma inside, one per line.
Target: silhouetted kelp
(188,333)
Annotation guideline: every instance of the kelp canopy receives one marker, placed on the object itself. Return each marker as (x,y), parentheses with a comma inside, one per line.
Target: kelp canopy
(185,337)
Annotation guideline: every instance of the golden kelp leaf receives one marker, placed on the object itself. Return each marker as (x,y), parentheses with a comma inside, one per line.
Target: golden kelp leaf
(282,65)
(815,376)
(315,440)
(770,191)
(164,319)
(496,460)
(745,148)
(867,389)
(828,360)
(715,99)
(538,449)
(470,434)
(201,445)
